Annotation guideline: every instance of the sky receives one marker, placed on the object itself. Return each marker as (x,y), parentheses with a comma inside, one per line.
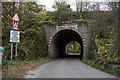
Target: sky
(49,3)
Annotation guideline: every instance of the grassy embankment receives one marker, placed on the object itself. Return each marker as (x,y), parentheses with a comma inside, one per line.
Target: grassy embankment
(114,71)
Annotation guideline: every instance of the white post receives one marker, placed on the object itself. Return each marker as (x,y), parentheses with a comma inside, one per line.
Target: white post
(76,26)
(57,27)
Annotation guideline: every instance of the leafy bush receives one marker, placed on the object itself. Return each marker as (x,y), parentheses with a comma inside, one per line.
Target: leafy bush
(32,36)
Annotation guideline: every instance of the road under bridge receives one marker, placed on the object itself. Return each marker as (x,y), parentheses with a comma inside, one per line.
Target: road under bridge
(59,36)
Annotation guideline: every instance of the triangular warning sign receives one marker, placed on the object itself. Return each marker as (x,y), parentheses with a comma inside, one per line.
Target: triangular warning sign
(15,27)
(66,26)
(16,18)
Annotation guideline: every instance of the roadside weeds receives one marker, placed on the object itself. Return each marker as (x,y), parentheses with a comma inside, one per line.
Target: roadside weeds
(18,71)
(114,72)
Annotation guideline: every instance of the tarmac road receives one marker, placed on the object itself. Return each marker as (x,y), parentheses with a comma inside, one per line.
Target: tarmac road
(67,68)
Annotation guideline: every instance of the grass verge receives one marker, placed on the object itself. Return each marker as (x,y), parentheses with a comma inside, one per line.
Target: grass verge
(19,62)
(107,69)
(17,69)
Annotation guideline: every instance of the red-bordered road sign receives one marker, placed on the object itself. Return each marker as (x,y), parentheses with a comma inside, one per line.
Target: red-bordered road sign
(15,27)
(16,18)
(66,26)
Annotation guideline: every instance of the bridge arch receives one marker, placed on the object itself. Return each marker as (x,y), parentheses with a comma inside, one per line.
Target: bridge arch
(61,38)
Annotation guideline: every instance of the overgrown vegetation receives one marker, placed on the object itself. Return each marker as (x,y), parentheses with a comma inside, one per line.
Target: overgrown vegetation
(104,50)
(105,38)
(32,36)
(73,48)
(115,71)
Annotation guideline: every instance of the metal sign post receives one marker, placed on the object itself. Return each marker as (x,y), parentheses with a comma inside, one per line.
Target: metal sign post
(11,50)
(14,37)
(14,33)
(16,49)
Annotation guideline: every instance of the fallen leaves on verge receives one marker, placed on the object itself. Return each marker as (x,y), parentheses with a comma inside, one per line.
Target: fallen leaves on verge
(21,70)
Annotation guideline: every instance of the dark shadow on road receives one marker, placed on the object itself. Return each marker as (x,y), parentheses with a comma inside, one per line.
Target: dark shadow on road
(70,57)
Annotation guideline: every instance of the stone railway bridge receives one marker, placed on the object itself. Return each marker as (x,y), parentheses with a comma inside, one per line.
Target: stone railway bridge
(58,37)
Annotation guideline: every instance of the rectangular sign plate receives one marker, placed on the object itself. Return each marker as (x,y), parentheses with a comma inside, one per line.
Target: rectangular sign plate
(14,36)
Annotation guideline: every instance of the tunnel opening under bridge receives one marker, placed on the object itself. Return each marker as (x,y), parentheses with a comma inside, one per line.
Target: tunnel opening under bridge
(61,39)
